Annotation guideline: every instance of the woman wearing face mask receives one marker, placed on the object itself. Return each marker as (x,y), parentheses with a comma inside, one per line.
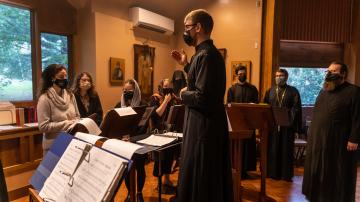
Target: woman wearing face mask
(131,97)
(56,107)
(162,101)
(87,99)
(179,81)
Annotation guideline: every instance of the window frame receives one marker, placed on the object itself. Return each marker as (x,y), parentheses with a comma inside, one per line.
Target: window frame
(35,40)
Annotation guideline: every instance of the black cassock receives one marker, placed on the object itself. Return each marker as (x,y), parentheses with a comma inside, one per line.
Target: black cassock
(245,93)
(280,164)
(205,167)
(330,170)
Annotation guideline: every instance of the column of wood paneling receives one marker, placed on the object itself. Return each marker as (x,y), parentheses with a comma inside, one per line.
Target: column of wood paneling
(270,43)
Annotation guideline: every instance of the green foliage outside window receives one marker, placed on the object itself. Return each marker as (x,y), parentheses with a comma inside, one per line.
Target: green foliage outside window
(54,49)
(15,54)
(308,81)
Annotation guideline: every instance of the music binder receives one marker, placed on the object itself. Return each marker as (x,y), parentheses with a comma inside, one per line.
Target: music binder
(116,126)
(85,125)
(72,164)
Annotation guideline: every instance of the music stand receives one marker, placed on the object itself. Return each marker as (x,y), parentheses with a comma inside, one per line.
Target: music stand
(115,126)
(175,119)
(250,117)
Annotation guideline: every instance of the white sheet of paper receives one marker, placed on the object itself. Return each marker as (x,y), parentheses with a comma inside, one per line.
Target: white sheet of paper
(122,148)
(125,111)
(56,182)
(8,127)
(31,124)
(172,134)
(90,125)
(155,140)
(90,138)
(93,179)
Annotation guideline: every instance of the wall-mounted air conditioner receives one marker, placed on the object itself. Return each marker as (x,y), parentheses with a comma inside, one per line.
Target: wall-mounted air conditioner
(152,21)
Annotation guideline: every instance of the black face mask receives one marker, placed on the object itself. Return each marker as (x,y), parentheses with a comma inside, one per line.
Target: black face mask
(62,83)
(187,38)
(167,91)
(177,85)
(242,79)
(128,94)
(332,77)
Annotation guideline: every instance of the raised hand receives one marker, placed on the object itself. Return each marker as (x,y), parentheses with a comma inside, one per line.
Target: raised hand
(179,56)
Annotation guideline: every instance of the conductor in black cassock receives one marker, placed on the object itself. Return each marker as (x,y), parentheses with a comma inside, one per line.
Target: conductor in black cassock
(330,164)
(205,168)
(244,92)
(281,140)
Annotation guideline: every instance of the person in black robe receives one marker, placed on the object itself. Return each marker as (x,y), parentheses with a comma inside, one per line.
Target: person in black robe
(280,164)
(244,92)
(205,168)
(330,164)
(87,99)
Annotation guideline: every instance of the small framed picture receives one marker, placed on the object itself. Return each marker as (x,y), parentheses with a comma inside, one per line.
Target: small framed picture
(117,71)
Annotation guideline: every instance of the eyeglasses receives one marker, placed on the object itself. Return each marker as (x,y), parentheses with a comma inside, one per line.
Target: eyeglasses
(188,26)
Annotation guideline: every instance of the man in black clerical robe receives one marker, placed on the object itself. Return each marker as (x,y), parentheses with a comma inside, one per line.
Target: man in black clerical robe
(334,134)
(244,92)
(280,164)
(205,168)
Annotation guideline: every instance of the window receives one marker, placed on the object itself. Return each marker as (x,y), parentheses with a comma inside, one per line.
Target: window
(15,54)
(308,81)
(54,50)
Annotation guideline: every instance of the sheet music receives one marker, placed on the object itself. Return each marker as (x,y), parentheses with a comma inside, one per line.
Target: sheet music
(59,177)
(90,138)
(90,125)
(172,134)
(156,140)
(125,111)
(122,148)
(93,179)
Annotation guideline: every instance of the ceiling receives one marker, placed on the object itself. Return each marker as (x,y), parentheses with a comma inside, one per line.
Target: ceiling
(175,9)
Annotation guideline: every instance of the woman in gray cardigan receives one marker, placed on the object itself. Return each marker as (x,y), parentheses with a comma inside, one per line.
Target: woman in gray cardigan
(56,108)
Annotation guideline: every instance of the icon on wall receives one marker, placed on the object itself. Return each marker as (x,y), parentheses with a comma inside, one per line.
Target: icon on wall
(117,71)
(144,68)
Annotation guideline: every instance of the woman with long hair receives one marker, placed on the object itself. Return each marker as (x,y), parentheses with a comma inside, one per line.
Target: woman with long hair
(87,99)
(56,107)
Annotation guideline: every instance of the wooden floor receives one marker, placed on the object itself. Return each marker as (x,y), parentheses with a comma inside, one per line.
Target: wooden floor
(278,190)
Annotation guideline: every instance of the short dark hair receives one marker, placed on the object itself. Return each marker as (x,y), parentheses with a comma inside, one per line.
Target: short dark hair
(240,67)
(203,17)
(284,72)
(343,67)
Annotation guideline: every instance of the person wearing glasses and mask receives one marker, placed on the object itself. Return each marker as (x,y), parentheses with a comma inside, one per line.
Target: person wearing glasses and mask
(244,92)
(280,165)
(87,99)
(331,159)
(205,168)
(56,108)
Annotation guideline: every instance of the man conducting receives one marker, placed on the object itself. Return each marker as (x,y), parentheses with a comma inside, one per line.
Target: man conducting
(205,169)
(330,164)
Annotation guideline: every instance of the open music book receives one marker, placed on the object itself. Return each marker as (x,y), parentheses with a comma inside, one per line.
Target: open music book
(87,125)
(76,170)
(160,140)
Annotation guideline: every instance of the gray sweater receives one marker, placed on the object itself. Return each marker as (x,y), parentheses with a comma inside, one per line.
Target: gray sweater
(55,114)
